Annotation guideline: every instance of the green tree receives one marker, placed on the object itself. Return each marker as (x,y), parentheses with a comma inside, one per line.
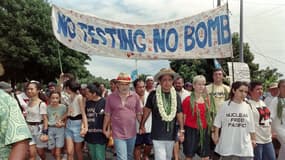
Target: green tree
(28,49)
(189,68)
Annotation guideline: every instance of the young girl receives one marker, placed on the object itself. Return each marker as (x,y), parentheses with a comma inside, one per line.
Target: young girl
(76,126)
(56,117)
(236,122)
(37,120)
(197,121)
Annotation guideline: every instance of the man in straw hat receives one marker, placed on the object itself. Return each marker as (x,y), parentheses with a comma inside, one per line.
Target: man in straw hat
(273,92)
(165,105)
(14,132)
(123,108)
(276,107)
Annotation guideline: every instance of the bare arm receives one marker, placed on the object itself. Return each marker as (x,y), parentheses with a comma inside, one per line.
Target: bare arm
(180,120)
(184,118)
(215,134)
(146,112)
(19,150)
(253,139)
(45,121)
(106,125)
(84,124)
(59,83)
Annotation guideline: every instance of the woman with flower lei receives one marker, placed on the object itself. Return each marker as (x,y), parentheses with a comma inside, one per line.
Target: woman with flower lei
(165,105)
(198,117)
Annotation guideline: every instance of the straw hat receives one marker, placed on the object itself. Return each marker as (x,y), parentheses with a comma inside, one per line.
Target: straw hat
(124,77)
(273,85)
(164,71)
(2,71)
(149,78)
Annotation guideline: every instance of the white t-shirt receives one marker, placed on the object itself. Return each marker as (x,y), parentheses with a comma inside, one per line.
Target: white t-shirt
(183,94)
(236,121)
(276,122)
(268,99)
(147,124)
(261,115)
(34,113)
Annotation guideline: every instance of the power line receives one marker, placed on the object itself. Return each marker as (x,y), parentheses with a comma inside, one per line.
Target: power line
(276,60)
(258,52)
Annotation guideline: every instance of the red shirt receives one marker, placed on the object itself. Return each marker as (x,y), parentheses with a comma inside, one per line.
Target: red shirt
(191,120)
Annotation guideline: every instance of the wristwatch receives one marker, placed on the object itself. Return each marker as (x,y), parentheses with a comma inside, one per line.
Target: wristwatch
(182,130)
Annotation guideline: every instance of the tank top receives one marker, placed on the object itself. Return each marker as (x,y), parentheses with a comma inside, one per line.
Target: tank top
(74,106)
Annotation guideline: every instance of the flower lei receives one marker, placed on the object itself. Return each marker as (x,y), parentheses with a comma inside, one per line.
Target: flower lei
(280,105)
(162,106)
(210,115)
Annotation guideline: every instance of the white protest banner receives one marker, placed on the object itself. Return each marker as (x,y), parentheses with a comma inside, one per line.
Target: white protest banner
(241,72)
(206,35)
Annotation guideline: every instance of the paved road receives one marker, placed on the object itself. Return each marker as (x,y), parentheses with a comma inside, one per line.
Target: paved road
(109,156)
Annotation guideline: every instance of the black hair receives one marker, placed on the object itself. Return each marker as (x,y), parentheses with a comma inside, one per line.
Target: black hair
(235,86)
(72,85)
(94,89)
(36,83)
(54,92)
(135,82)
(113,81)
(38,86)
(253,84)
(97,84)
(217,69)
(69,76)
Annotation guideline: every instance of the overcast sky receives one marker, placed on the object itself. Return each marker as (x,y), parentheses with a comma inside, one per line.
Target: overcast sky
(264,27)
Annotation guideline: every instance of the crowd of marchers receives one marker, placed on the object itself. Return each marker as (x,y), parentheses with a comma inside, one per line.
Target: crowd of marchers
(161,116)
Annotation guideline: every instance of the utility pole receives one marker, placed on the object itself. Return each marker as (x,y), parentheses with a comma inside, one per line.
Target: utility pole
(219,3)
(241,32)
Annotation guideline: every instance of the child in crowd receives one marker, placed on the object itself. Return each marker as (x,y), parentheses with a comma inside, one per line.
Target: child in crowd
(56,126)
(37,121)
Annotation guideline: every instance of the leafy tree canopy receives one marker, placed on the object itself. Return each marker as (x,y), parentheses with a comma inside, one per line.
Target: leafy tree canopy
(189,68)
(28,49)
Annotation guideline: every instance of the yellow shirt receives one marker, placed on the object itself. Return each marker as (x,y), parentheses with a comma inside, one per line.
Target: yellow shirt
(219,92)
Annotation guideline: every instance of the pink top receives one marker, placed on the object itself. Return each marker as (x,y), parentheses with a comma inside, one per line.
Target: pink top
(123,118)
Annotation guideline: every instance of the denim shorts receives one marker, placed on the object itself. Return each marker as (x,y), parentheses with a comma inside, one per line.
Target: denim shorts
(144,139)
(72,130)
(36,131)
(55,137)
